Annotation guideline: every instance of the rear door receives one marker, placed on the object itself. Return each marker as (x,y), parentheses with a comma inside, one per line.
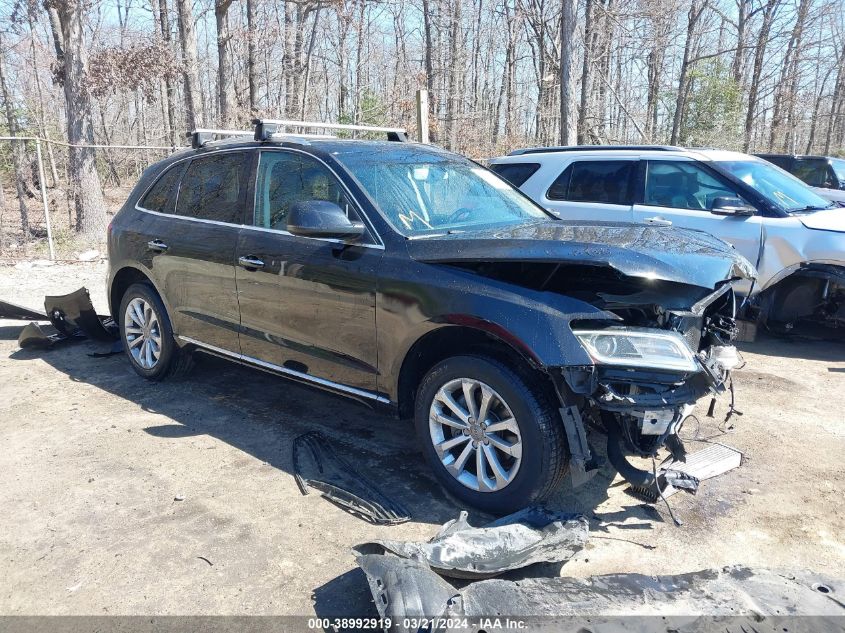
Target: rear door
(307,304)
(593,189)
(682,192)
(193,247)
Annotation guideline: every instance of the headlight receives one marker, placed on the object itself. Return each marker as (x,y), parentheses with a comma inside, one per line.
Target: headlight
(638,348)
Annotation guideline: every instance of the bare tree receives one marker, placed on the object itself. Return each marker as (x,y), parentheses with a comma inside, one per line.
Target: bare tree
(68,16)
(568,121)
(18,159)
(194,116)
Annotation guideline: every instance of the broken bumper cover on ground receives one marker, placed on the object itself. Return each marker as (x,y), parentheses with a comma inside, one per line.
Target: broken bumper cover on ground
(459,550)
(743,599)
(72,315)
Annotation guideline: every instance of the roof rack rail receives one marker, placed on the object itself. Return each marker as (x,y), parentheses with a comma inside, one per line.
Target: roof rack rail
(597,148)
(202,136)
(266,128)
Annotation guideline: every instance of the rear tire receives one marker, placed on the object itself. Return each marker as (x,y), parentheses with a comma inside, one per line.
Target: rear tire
(147,335)
(521,436)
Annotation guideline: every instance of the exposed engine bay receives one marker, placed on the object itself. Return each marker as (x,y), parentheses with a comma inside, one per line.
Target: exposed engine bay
(641,406)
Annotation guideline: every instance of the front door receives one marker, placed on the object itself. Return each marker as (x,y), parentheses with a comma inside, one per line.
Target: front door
(306,304)
(682,192)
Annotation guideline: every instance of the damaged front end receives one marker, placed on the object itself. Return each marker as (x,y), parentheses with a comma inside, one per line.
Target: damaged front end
(648,372)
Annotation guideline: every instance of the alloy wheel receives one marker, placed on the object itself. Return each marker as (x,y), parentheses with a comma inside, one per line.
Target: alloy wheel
(475,435)
(143,333)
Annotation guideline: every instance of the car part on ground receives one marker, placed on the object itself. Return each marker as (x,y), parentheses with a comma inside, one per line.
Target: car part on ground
(408,592)
(674,475)
(318,465)
(72,315)
(19,313)
(458,550)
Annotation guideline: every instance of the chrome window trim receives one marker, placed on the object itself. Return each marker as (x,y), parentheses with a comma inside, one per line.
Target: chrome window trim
(362,393)
(138,207)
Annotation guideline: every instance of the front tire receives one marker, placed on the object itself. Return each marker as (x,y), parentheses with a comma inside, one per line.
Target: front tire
(493,439)
(148,336)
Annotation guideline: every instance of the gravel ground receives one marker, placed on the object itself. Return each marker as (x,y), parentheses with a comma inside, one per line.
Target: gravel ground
(95,459)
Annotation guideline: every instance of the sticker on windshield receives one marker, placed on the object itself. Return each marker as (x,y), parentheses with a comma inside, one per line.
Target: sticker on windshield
(490,178)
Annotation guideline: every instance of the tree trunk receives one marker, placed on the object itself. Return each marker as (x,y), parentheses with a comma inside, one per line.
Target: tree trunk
(788,86)
(568,121)
(453,99)
(680,100)
(225,84)
(759,57)
(82,164)
(586,72)
(18,159)
(170,89)
(194,116)
(251,59)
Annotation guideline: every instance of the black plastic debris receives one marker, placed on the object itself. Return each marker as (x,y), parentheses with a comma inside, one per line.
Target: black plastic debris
(75,312)
(317,464)
(405,590)
(72,316)
(459,550)
(19,313)
(33,336)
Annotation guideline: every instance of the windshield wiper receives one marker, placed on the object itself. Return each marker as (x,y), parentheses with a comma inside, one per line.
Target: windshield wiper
(811,207)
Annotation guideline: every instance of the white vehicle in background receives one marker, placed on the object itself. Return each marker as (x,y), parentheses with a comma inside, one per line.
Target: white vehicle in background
(795,237)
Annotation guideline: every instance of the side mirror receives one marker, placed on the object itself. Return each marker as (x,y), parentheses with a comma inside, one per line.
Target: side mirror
(724,205)
(320,218)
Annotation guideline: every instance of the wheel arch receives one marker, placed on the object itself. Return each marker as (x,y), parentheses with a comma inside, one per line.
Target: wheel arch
(454,340)
(120,282)
(779,301)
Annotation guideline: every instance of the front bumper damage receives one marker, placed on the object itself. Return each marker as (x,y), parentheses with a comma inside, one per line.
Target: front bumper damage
(642,409)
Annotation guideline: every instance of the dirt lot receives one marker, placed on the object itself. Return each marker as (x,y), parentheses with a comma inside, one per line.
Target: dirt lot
(94,457)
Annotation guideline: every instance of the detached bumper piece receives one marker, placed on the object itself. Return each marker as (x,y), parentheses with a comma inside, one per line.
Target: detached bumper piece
(731,599)
(459,550)
(72,316)
(317,464)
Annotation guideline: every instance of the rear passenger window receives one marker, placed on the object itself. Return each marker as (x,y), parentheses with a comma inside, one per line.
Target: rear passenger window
(162,196)
(515,173)
(606,182)
(285,178)
(213,188)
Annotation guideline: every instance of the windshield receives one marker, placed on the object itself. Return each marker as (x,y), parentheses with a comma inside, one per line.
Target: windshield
(422,192)
(781,189)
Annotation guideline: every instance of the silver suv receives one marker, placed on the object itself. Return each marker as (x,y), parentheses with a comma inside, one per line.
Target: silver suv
(795,237)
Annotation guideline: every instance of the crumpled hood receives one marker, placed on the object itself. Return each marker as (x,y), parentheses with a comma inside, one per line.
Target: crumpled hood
(827,220)
(635,250)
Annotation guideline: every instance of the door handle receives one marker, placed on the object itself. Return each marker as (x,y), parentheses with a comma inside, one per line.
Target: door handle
(250,263)
(659,221)
(157,245)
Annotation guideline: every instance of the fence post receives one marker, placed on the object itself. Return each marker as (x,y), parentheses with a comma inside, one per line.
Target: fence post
(44,197)
(422,116)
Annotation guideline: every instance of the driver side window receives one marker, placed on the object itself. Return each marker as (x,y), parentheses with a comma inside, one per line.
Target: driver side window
(683,185)
(285,178)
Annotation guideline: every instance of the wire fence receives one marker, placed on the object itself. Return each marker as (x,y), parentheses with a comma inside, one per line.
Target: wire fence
(37,208)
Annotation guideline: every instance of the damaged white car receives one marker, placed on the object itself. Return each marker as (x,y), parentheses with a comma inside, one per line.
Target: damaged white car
(795,237)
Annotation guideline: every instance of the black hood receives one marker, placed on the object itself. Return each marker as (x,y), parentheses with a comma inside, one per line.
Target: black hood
(635,250)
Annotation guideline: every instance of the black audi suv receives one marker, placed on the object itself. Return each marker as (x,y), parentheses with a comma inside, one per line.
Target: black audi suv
(413,279)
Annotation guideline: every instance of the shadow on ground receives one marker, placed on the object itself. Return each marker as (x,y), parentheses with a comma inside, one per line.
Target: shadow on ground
(796,347)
